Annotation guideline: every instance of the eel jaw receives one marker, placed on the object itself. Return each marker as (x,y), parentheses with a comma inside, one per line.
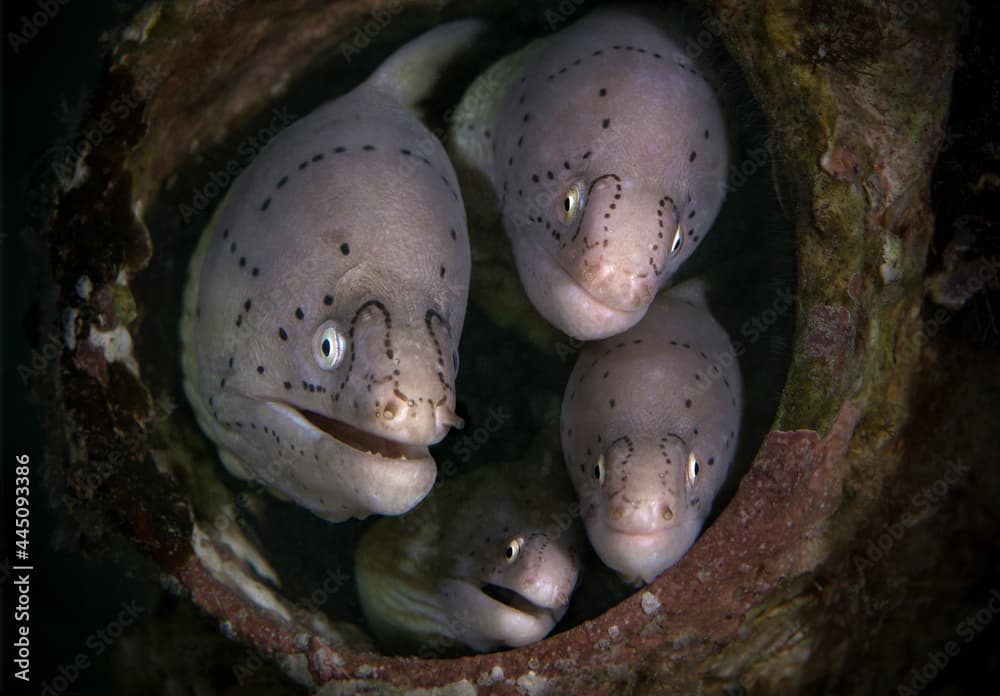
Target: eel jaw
(488,616)
(516,601)
(583,316)
(640,557)
(362,440)
(358,474)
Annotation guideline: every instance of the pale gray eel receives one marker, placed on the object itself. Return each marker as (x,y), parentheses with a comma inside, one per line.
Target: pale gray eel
(489,560)
(607,150)
(650,421)
(327,296)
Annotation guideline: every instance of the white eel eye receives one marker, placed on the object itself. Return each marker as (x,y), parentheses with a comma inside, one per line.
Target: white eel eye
(599,470)
(513,550)
(694,467)
(678,241)
(571,204)
(329,346)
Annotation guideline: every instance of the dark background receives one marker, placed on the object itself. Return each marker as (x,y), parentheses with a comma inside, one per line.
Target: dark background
(44,90)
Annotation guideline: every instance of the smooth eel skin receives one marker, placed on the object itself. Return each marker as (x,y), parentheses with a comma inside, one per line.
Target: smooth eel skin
(327,296)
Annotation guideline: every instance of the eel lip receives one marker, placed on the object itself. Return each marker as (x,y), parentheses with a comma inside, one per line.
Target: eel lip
(486,616)
(583,287)
(653,533)
(587,288)
(641,297)
(515,601)
(356,438)
(612,321)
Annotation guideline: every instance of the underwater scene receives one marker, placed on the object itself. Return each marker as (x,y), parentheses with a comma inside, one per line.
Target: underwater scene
(528,348)
(357,338)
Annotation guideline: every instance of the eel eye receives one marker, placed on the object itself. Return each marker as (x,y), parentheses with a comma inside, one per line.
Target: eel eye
(513,550)
(599,470)
(678,241)
(329,346)
(693,468)
(572,203)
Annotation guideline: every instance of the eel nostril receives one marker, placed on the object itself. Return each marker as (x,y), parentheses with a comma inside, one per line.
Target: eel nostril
(446,417)
(393,409)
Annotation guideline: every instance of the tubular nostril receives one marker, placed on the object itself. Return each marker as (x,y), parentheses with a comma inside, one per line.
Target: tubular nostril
(447,418)
(392,410)
(640,516)
(406,413)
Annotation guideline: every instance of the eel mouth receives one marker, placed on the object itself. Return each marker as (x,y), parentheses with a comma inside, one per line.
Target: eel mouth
(511,599)
(650,533)
(644,554)
(490,615)
(641,294)
(586,288)
(577,294)
(360,440)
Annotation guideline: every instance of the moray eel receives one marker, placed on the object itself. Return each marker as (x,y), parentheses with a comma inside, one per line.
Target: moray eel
(650,421)
(607,150)
(326,299)
(488,560)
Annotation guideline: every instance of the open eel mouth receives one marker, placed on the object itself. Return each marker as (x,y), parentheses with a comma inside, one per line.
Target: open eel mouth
(353,437)
(490,615)
(510,598)
(513,600)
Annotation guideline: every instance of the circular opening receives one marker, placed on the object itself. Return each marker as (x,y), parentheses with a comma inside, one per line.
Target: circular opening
(514,367)
(762,597)
(313,559)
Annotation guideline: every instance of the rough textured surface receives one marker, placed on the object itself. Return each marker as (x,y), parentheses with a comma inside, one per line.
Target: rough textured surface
(873,409)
